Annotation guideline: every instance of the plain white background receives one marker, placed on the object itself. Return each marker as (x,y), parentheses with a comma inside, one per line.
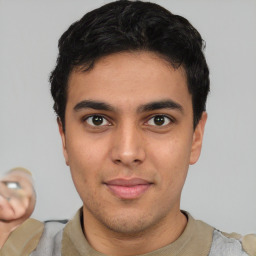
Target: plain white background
(220,188)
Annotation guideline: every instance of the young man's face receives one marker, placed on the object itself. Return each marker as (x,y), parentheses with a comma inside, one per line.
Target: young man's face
(129,140)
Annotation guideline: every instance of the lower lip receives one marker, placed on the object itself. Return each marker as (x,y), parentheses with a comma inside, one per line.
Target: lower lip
(129,192)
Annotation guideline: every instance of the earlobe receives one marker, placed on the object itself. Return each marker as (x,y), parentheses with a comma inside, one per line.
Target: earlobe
(198,139)
(63,140)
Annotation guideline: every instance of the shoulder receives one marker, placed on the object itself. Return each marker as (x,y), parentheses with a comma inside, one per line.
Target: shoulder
(23,239)
(34,237)
(224,244)
(50,240)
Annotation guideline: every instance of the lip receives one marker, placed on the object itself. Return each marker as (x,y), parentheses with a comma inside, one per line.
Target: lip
(128,188)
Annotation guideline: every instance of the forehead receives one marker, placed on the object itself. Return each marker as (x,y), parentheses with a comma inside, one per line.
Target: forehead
(136,77)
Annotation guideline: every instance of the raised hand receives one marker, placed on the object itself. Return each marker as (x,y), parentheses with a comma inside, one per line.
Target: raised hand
(17,200)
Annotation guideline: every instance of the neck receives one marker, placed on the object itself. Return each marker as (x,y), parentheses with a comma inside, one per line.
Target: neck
(157,236)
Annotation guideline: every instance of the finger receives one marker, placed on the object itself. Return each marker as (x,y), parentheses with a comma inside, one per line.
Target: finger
(19,206)
(4,190)
(6,210)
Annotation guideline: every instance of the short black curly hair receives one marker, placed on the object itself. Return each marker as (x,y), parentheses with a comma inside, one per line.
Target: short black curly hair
(131,26)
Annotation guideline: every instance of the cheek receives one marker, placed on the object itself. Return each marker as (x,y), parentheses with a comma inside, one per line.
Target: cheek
(171,161)
(84,152)
(87,157)
(81,159)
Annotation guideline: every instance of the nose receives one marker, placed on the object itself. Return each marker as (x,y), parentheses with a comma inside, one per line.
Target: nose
(128,146)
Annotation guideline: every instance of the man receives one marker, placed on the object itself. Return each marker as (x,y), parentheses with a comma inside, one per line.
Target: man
(129,90)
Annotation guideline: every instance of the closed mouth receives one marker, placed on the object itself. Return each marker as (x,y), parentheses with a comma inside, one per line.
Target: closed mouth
(128,188)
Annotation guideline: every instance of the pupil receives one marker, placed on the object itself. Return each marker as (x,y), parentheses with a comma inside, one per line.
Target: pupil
(97,120)
(159,120)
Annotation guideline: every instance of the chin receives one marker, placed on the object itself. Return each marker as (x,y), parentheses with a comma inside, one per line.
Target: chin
(127,226)
(129,223)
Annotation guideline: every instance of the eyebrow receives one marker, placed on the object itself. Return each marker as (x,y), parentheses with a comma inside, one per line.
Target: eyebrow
(98,105)
(169,104)
(93,105)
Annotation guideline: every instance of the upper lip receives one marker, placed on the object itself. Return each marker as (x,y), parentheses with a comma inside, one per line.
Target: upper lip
(127,182)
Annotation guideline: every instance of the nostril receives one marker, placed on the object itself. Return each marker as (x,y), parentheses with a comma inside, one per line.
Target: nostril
(128,153)
(125,162)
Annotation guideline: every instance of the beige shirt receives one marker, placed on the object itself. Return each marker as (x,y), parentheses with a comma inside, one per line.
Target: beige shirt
(195,240)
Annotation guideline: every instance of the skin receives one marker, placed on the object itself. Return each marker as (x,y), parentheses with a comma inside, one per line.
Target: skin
(16,205)
(129,144)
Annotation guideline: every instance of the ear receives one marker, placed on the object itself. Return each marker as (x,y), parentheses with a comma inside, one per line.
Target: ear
(198,139)
(63,139)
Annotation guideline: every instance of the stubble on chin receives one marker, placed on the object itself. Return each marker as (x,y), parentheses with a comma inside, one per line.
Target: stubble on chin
(127,221)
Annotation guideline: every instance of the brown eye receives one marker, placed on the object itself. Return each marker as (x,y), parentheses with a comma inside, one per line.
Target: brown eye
(96,120)
(159,120)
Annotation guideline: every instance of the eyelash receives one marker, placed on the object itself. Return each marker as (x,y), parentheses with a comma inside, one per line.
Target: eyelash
(170,120)
(99,116)
(108,123)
